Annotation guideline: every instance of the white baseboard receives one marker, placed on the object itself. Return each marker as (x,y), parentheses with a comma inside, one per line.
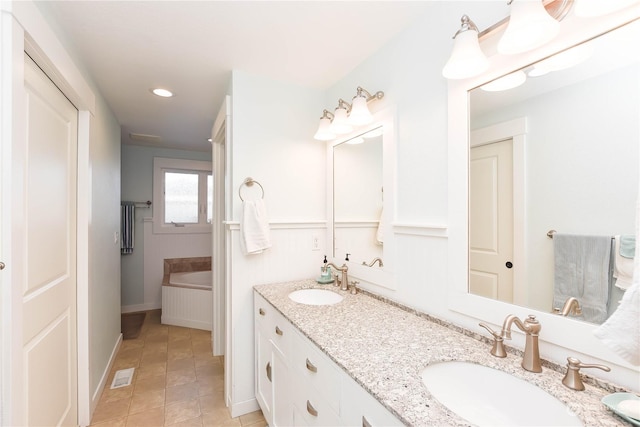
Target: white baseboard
(139,307)
(243,408)
(105,375)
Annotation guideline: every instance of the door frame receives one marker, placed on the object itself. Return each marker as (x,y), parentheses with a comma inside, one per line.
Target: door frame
(24,29)
(515,130)
(220,138)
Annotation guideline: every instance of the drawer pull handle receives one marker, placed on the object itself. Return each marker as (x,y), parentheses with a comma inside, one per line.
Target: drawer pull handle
(269,371)
(279,331)
(365,423)
(311,409)
(311,366)
(261,311)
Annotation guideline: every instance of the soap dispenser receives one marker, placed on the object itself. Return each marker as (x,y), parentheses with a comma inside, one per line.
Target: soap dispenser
(325,272)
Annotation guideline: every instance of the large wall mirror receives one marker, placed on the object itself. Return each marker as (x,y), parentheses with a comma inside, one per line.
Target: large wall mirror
(361,184)
(575,170)
(570,167)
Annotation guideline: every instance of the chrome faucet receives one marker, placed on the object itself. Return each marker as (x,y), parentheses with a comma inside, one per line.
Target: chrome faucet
(344,280)
(376,259)
(571,306)
(531,327)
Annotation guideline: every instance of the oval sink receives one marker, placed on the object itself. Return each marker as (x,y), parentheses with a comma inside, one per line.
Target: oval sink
(315,297)
(487,397)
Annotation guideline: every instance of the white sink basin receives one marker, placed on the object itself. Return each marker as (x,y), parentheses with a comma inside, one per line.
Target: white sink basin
(315,297)
(487,397)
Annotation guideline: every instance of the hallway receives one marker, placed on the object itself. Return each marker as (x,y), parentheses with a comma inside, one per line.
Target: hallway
(177,382)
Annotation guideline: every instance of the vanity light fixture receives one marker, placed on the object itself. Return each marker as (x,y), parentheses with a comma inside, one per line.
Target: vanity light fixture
(347,116)
(530,26)
(467,59)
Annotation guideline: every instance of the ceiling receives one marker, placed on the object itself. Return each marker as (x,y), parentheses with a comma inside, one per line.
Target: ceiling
(191,47)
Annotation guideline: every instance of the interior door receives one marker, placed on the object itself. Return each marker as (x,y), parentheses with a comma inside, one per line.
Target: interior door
(491,221)
(47,247)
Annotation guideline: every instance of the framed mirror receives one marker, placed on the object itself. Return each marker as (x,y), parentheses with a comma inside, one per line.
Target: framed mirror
(557,154)
(361,188)
(561,336)
(358,195)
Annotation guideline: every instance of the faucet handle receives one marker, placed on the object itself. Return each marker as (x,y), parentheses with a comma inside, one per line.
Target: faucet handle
(337,280)
(572,378)
(354,289)
(498,342)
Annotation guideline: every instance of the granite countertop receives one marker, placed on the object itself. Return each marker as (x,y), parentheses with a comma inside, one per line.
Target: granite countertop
(385,348)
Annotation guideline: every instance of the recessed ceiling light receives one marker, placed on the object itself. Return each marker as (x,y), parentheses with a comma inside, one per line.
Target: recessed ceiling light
(162,92)
(210,140)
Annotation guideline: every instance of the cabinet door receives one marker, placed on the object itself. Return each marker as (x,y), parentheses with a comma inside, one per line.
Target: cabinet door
(282,409)
(264,373)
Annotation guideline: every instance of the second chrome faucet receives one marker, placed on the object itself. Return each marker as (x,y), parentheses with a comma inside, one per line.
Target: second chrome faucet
(531,327)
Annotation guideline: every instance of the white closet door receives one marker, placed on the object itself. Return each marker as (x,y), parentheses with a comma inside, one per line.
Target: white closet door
(491,221)
(47,234)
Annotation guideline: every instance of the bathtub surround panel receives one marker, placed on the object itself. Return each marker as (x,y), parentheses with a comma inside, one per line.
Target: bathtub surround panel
(181,265)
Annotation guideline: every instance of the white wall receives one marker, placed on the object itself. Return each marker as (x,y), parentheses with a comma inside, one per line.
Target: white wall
(142,270)
(104,252)
(272,125)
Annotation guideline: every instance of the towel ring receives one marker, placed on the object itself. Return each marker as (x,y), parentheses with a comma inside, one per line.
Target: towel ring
(249,182)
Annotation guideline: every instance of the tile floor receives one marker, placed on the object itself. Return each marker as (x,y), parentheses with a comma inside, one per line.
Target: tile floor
(177,382)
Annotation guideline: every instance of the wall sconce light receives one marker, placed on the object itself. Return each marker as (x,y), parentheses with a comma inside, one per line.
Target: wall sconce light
(466,59)
(346,115)
(324,133)
(340,124)
(531,24)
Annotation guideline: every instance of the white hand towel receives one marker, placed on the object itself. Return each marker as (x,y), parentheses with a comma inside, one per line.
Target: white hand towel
(623,268)
(379,232)
(254,226)
(621,331)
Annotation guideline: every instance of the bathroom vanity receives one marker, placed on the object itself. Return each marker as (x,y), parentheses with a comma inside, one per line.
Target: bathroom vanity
(359,362)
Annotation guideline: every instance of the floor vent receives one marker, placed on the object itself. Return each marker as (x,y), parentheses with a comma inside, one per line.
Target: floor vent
(122,378)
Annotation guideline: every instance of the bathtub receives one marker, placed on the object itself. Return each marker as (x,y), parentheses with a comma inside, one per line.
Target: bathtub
(187,300)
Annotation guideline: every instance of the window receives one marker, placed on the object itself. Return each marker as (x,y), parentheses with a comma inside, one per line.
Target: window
(183,196)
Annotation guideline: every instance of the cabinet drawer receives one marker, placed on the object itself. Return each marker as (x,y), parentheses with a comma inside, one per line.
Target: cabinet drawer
(312,409)
(273,324)
(316,370)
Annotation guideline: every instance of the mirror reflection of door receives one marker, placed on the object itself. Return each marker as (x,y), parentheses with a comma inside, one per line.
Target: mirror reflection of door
(491,221)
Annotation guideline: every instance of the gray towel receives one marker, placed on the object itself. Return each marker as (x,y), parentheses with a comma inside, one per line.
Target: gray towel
(583,269)
(127,226)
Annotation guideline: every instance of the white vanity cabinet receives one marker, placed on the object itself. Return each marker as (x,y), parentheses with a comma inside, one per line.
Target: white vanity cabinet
(273,334)
(298,385)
